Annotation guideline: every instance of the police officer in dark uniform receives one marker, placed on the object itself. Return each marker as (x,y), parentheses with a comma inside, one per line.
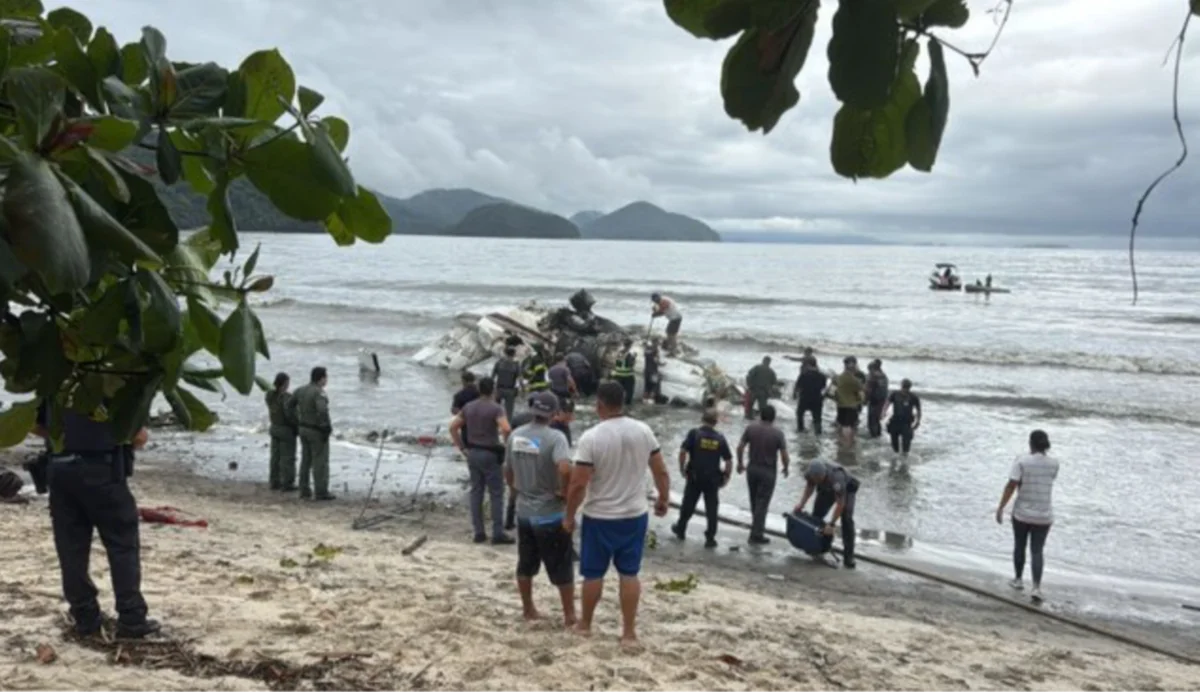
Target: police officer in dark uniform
(700,459)
(88,491)
(835,489)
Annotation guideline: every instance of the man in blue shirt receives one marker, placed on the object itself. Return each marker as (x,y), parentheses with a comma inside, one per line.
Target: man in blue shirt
(700,459)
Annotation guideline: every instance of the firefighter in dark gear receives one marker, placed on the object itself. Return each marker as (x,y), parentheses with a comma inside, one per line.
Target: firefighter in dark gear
(624,369)
(700,459)
(535,372)
(281,407)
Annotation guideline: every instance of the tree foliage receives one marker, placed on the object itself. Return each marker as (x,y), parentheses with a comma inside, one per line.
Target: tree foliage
(886,119)
(104,303)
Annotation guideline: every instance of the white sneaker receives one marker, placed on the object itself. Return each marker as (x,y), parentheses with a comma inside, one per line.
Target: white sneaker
(1036,594)
(1017,584)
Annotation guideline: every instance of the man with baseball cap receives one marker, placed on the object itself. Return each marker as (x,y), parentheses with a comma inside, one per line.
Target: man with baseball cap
(836,488)
(537,468)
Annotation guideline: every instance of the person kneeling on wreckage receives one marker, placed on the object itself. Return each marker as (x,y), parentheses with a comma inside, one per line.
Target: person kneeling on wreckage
(836,488)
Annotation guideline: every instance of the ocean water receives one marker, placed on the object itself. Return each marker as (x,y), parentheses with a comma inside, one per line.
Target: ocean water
(1115,385)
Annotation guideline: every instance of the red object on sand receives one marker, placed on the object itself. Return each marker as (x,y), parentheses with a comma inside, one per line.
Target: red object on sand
(427,440)
(168,515)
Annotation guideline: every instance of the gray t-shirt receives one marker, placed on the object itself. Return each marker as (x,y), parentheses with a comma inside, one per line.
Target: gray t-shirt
(766,441)
(480,417)
(559,376)
(533,453)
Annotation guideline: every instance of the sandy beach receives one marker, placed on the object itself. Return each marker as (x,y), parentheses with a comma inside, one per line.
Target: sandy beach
(279,594)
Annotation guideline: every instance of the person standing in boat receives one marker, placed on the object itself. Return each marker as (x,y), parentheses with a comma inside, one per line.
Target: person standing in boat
(665,307)
(1032,479)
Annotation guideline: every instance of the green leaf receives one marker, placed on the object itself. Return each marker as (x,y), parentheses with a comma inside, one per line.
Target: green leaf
(162,322)
(863,52)
(714,19)
(310,100)
(338,131)
(201,92)
(41,226)
(872,143)
(76,66)
(102,169)
(146,216)
(104,54)
(207,325)
(364,217)
(101,323)
(21,9)
(266,78)
(72,21)
(251,263)
(222,226)
(104,231)
(154,46)
(38,51)
(190,411)
(195,171)
(131,405)
(333,169)
(238,341)
(11,268)
(201,380)
(133,64)
(759,74)
(5,48)
(950,13)
(261,285)
(339,231)
(908,10)
(168,158)
(260,337)
(111,133)
(17,422)
(927,119)
(287,172)
(37,94)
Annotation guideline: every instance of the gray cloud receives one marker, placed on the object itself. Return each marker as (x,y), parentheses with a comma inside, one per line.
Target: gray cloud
(593,103)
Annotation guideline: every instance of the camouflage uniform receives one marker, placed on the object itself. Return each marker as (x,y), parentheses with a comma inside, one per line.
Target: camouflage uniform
(282,409)
(312,414)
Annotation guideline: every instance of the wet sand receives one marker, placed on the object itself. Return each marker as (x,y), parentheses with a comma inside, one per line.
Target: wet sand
(255,586)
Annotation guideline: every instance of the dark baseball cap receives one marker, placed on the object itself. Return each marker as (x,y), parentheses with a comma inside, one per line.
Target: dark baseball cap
(544,403)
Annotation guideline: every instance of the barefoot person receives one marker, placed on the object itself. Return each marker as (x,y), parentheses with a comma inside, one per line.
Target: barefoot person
(610,471)
(538,468)
(1032,479)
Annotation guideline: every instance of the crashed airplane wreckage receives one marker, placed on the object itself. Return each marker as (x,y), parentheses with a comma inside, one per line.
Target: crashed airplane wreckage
(685,378)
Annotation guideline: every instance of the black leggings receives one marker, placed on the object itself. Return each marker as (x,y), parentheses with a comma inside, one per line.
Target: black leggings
(1022,534)
(901,437)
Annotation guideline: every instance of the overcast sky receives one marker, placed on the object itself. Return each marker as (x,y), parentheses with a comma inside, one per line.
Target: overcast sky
(590,104)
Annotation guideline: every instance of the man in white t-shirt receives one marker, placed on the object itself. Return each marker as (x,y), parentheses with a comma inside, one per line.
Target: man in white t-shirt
(1032,479)
(608,481)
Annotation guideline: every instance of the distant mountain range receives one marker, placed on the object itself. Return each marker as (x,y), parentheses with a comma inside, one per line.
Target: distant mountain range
(459,212)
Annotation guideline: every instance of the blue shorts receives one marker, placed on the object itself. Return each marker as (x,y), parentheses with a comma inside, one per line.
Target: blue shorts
(619,542)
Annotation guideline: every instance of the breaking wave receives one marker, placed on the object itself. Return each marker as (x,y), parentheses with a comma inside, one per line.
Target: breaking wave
(1175,319)
(951,354)
(560,293)
(351,346)
(357,308)
(1057,409)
